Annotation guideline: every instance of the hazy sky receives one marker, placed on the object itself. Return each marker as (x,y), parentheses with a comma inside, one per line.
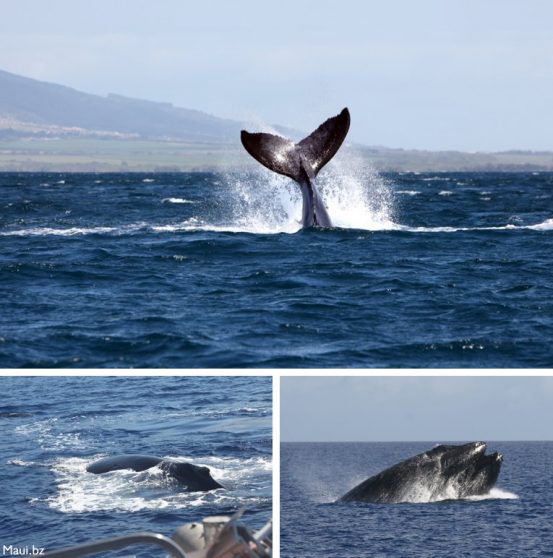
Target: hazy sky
(416,408)
(455,74)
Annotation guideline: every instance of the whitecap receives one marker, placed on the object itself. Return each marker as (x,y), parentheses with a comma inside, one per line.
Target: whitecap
(176,200)
(73,231)
(409,192)
(49,231)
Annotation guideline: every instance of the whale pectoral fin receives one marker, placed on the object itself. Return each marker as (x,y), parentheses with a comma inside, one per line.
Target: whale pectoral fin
(321,145)
(274,152)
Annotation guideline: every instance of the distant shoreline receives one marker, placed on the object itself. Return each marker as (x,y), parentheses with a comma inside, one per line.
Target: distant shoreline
(136,155)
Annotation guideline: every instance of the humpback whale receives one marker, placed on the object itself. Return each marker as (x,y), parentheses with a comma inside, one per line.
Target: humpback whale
(195,478)
(445,472)
(302,161)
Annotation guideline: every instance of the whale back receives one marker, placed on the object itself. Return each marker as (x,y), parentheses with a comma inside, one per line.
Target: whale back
(135,462)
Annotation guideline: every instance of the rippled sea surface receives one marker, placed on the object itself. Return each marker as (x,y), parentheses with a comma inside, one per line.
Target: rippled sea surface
(51,428)
(513,520)
(212,270)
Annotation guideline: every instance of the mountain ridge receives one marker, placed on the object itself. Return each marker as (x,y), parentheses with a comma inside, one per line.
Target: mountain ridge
(25,102)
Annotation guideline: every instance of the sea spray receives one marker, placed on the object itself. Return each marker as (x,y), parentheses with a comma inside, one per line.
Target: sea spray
(356,197)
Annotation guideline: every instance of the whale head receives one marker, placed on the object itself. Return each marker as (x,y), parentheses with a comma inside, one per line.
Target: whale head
(195,477)
(467,468)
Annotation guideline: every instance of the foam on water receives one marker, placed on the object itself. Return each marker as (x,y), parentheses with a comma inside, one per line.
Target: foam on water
(495,494)
(544,226)
(547,225)
(46,434)
(175,200)
(49,231)
(125,490)
(426,494)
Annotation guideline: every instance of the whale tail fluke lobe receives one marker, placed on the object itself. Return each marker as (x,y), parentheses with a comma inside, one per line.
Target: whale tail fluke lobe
(308,156)
(274,152)
(322,144)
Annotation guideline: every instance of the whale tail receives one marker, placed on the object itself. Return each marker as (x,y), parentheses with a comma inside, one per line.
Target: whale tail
(309,156)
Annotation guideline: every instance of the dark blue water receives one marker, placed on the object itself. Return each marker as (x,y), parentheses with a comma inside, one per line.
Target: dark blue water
(52,427)
(211,270)
(513,520)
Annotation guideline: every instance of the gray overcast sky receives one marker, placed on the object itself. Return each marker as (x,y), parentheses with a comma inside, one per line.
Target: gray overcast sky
(456,74)
(416,408)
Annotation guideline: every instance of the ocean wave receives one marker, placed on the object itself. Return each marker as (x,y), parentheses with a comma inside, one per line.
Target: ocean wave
(196,225)
(74,231)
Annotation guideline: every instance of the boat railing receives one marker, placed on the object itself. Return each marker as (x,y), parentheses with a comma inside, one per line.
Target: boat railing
(214,537)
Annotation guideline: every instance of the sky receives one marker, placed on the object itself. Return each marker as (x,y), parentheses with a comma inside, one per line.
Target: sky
(407,409)
(468,75)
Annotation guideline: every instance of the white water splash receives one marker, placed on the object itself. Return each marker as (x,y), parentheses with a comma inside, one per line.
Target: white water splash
(495,494)
(356,196)
(263,202)
(547,225)
(425,494)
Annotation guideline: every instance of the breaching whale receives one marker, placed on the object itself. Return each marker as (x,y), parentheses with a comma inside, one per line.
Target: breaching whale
(195,478)
(302,161)
(445,472)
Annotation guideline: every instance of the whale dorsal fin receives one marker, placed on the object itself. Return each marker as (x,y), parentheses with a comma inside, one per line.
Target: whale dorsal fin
(285,157)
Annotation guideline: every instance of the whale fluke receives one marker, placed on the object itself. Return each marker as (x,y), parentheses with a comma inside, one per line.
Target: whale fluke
(285,157)
(302,161)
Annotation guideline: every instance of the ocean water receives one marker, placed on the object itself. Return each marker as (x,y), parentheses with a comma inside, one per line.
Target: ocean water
(51,428)
(213,270)
(514,519)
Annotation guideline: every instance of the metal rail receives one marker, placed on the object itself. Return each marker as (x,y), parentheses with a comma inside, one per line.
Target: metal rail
(116,543)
